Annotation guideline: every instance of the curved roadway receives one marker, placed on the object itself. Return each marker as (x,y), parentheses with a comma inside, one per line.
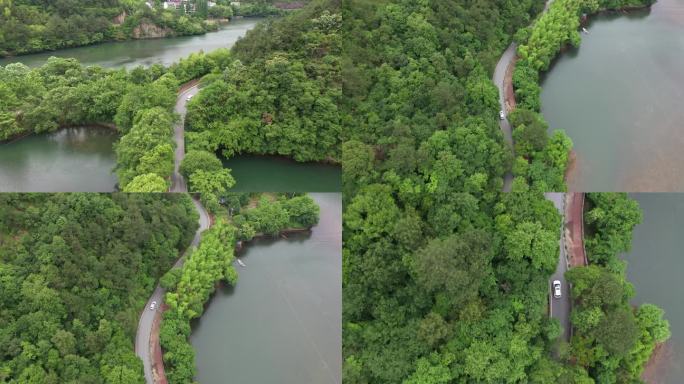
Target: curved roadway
(142,337)
(498,79)
(177,182)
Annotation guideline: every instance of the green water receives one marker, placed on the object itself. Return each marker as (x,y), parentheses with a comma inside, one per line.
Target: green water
(282,322)
(277,174)
(132,53)
(69,160)
(655,267)
(619,98)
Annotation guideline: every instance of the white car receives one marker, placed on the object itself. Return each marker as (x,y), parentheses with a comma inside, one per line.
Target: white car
(556,288)
(189,97)
(502,115)
(153,306)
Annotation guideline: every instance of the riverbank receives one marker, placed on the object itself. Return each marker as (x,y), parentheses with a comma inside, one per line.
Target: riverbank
(130,54)
(657,363)
(240,245)
(23,135)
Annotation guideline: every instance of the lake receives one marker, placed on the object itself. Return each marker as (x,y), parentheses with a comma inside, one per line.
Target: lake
(279,174)
(68,160)
(619,98)
(282,323)
(655,266)
(132,53)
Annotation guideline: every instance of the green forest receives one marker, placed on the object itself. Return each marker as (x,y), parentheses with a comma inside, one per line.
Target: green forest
(191,286)
(28,26)
(75,272)
(137,103)
(445,279)
(419,104)
(612,339)
(281,94)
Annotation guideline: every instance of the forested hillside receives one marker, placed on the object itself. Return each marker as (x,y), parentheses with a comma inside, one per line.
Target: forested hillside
(419,105)
(281,95)
(36,25)
(75,272)
(445,279)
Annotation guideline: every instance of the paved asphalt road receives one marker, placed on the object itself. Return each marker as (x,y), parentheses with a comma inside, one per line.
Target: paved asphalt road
(498,79)
(142,338)
(178,184)
(560,307)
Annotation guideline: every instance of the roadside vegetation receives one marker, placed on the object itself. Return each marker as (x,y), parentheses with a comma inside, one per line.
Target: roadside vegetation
(612,339)
(191,286)
(75,270)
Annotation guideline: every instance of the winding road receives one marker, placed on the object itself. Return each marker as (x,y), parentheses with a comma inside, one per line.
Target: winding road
(146,322)
(178,184)
(560,307)
(498,79)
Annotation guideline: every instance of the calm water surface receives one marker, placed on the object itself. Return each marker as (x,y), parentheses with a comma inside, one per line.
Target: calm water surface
(281,324)
(254,173)
(82,159)
(655,267)
(132,53)
(69,160)
(619,98)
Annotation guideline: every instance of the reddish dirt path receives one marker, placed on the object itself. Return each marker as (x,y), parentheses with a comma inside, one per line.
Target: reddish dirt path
(574,208)
(509,92)
(155,349)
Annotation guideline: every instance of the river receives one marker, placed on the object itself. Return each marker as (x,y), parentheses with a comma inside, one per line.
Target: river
(619,99)
(655,267)
(281,324)
(72,159)
(132,53)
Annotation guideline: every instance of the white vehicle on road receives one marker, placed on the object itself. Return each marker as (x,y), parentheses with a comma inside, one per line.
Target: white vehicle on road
(153,306)
(189,97)
(502,115)
(556,289)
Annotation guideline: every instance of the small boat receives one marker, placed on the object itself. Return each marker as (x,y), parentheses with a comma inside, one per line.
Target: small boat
(241,263)
(585,30)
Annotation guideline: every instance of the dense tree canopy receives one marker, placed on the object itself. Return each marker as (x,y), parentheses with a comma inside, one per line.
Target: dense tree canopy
(445,279)
(280,95)
(75,271)
(36,25)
